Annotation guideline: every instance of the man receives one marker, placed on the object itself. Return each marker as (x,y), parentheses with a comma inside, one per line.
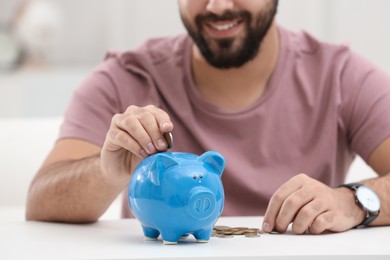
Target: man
(274,103)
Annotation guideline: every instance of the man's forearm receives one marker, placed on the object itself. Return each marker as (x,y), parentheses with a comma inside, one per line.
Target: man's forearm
(70,191)
(381,186)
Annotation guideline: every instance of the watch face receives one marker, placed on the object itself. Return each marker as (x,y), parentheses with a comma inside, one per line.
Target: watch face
(368,198)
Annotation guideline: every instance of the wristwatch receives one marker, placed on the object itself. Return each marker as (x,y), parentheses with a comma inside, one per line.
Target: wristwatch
(367,199)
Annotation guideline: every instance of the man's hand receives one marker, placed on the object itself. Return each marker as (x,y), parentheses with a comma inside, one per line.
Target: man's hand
(312,207)
(132,136)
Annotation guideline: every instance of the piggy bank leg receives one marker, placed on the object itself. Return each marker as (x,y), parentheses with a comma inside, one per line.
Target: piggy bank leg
(185,236)
(170,238)
(203,236)
(150,233)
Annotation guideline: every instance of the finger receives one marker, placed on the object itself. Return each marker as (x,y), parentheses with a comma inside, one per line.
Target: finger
(151,126)
(278,199)
(117,139)
(162,118)
(156,141)
(136,131)
(306,216)
(291,207)
(322,223)
(155,121)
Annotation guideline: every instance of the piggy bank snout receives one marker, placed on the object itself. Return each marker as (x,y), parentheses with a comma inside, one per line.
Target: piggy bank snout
(201,203)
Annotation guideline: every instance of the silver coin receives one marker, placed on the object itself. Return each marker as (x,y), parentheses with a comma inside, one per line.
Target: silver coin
(251,231)
(218,228)
(225,236)
(252,235)
(235,229)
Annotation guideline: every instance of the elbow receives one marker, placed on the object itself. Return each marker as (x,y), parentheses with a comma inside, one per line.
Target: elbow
(34,215)
(39,210)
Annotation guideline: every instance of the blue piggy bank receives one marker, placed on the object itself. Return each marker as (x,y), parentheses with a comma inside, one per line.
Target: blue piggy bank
(176,194)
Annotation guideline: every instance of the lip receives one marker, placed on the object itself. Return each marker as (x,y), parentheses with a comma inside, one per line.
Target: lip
(224,29)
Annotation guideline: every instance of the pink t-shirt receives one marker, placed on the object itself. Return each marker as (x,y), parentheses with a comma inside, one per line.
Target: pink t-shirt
(323,105)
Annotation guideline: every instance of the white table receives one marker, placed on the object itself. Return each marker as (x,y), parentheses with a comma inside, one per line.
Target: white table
(123,239)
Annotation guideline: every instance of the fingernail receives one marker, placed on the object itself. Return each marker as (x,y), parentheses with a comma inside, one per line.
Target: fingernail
(161,143)
(165,126)
(266,227)
(151,148)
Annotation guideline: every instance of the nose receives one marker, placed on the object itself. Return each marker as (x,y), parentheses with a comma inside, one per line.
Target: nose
(218,7)
(201,203)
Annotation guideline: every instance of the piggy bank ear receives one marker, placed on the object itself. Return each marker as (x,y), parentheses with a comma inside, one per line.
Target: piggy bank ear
(214,160)
(160,164)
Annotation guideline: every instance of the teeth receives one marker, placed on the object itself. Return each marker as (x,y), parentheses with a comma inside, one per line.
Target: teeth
(224,27)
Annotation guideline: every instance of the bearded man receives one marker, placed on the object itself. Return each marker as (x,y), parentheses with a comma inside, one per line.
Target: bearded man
(287,111)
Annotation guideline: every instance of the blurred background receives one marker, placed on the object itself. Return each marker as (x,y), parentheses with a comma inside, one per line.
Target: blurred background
(48,46)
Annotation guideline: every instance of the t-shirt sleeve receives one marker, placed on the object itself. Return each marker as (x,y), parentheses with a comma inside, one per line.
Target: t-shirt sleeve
(365,105)
(91,108)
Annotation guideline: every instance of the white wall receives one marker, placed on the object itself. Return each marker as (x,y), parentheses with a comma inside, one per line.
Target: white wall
(363,24)
(91,27)
(366,24)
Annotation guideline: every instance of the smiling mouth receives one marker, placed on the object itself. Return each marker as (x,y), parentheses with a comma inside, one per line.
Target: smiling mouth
(223,26)
(223,29)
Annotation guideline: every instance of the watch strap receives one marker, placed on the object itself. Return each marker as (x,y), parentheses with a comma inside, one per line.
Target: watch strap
(368,219)
(352,186)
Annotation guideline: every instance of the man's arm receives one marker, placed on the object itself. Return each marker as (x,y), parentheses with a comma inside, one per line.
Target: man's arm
(312,206)
(380,162)
(79,180)
(69,186)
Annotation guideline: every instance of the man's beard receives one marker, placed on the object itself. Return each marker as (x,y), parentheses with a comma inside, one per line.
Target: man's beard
(224,53)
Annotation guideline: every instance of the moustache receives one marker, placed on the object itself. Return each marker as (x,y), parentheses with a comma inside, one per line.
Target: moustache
(228,15)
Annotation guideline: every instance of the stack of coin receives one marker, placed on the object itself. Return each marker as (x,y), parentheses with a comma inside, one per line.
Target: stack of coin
(230,232)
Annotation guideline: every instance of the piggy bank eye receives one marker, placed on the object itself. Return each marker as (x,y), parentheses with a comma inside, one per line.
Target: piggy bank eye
(200,176)
(194,177)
